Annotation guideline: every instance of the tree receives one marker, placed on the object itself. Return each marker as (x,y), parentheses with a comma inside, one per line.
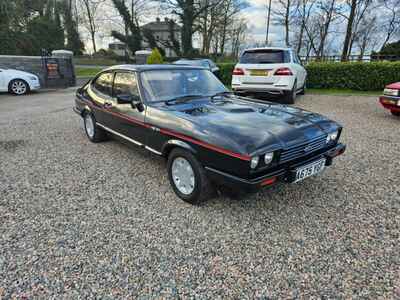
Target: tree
(284,15)
(74,42)
(237,34)
(155,57)
(90,12)
(357,10)
(391,49)
(391,24)
(132,37)
(188,12)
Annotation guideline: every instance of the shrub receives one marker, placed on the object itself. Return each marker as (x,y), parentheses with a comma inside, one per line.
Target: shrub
(362,76)
(225,72)
(155,57)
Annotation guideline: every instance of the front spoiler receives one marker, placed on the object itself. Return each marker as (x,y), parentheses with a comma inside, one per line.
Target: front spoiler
(284,174)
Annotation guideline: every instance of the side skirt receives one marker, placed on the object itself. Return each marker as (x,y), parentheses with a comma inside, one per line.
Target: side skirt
(128,139)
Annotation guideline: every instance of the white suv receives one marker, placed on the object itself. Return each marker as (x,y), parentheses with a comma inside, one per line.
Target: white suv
(276,71)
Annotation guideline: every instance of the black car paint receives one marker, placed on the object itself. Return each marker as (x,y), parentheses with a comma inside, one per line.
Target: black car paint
(223,132)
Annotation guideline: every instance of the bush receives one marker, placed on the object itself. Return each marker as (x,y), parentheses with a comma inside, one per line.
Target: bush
(225,72)
(155,57)
(361,76)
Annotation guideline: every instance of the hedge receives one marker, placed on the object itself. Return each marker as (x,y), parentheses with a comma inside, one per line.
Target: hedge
(362,76)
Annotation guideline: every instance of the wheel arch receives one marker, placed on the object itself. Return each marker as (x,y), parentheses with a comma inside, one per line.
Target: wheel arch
(174,143)
(86,109)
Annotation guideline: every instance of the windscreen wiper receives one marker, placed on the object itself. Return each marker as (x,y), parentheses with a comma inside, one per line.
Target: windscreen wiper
(182,99)
(224,93)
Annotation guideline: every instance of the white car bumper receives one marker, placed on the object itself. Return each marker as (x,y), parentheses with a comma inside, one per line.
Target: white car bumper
(278,85)
(34,85)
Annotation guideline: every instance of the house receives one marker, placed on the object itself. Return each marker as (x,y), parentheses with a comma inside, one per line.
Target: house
(161,31)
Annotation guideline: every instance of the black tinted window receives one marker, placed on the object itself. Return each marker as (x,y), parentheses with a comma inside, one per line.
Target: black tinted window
(103,83)
(265,57)
(125,84)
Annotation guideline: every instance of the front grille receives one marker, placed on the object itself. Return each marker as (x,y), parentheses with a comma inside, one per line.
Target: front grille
(303,149)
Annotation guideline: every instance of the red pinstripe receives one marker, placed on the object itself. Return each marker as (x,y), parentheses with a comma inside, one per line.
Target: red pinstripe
(175,134)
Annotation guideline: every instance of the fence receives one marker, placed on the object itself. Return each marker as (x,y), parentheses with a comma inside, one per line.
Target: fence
(53,72)
(351,58)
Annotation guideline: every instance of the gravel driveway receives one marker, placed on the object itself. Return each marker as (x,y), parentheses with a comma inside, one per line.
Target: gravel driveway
(100,220)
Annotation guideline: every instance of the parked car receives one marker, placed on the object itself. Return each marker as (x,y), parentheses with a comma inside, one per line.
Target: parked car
(208,135)
(391,98)
(270,71)
(18,82)
(203,62)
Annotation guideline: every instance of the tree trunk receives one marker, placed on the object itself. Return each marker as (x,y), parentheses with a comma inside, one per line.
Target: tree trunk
(187,28)
(93,42)
(349,30)
(287,24)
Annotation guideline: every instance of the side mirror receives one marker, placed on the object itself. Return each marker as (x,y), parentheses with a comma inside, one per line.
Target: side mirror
(124,99)
(133,100)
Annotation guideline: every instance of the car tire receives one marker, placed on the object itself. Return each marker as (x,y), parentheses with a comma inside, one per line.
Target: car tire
(94,133)
(187,177)
(290,96)
(395,113)
(18,87)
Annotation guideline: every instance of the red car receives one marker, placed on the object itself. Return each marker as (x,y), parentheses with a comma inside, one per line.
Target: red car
(391,98)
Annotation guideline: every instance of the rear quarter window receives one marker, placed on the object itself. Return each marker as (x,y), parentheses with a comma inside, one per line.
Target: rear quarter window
(103,84)
(265,57)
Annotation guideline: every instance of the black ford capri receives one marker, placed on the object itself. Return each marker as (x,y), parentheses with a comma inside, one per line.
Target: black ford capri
(209,136)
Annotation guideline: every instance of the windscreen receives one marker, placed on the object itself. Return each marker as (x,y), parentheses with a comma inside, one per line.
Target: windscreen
(264,57)
(162,85)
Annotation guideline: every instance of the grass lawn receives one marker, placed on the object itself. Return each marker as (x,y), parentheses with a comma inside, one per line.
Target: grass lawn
(86,72)
(342,92)
(95,61)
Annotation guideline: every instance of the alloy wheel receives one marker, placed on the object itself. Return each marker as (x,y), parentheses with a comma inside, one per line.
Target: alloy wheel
(19,87)
(89,126)
(183,175)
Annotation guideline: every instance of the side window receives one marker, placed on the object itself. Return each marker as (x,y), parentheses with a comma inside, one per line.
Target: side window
(286,57)
(103,84)
(125,84)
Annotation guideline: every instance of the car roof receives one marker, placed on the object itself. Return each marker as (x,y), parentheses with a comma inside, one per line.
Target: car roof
(140,68)
(268,48)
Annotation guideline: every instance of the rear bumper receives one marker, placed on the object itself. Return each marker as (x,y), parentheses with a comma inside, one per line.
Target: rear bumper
(284,174)
(391,103)
(262,89)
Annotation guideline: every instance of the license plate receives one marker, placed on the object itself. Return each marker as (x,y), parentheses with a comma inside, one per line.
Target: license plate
(259,72)
(309,170)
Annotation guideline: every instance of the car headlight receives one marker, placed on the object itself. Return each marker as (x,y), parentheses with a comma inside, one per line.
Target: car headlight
(34,78)
(391,92)
(254,162)
(268,158)
(332,136)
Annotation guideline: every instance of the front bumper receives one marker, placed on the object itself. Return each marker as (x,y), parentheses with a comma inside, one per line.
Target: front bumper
(284,174)
(391,103)
(34,86)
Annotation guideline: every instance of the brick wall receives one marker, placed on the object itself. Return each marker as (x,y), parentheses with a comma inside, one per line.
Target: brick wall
(35,65)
